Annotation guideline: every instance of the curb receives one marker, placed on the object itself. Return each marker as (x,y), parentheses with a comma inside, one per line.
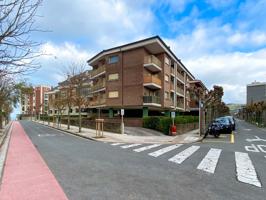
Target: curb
(4,149)
(66,131)
(93,139)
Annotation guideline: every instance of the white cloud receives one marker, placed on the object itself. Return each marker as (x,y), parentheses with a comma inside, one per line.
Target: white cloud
(90,21)
(231,70)
(55,59)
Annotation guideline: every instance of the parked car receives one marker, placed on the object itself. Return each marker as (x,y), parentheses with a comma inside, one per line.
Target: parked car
(226,125)
(233,122)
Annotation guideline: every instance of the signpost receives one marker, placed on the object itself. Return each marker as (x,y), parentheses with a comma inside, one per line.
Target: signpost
(122,121)
(173,118)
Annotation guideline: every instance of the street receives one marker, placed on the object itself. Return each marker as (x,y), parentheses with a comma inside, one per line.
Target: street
(213,169)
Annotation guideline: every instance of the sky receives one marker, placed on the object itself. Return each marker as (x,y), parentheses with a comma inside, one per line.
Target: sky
(221,42)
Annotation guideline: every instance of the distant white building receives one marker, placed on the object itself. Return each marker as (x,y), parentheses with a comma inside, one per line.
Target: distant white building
(256,92)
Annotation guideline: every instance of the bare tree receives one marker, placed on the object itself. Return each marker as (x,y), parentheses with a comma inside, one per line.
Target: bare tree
(80,79)
(17,20)
(60,104)
(68,88)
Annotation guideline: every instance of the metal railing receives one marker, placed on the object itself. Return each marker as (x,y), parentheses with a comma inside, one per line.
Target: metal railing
(151,99)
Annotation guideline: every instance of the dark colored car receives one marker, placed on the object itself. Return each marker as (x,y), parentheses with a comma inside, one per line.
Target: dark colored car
(226,125)
(233,122)
(214,129)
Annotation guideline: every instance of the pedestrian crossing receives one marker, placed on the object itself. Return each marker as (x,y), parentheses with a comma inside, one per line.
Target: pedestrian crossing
(245,170)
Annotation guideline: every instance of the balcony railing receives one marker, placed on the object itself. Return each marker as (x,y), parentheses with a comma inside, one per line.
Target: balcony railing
(99,101)
(98,71)
(180,90)
(151,99)
(180,104)
(152,79)
(180,76)
(98,86)
(172,70)
(152,63)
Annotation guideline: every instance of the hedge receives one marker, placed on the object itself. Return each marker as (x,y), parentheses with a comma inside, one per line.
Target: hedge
(162,124)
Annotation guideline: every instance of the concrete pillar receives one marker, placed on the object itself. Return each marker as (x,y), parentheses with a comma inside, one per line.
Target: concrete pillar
(145,112)
(111,113)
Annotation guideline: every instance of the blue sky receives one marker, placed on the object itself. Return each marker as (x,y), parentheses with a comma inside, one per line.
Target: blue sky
(220,41)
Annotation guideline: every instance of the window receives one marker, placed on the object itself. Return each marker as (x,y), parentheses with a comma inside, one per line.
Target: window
(166,95)
(113,94)
(113,59)
(166,78)
(167,61)
(113,77)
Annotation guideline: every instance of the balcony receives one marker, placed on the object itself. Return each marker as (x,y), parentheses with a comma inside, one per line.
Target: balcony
(172,71)
(98,101)
(152,82)
(180,104)
(99,86)
(180,77)
(152,100)
(152,63)
(180,91)
(98,72)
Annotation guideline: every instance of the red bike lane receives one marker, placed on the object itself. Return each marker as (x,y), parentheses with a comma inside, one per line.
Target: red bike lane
(26,175)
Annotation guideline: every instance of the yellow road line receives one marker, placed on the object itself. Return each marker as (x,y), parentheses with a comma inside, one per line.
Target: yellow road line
(232,138)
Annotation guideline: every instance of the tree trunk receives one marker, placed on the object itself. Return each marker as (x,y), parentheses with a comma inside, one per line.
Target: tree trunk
(68,118)
(79,119)
(1,119)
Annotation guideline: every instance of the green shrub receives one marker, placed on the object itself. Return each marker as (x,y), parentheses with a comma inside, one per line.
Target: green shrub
(151,123)
(163,124)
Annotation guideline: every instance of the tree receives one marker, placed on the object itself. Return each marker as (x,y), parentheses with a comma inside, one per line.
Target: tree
(211,103)
(79,79)
(60,104)
(9,96)
(17,18)
(68,86)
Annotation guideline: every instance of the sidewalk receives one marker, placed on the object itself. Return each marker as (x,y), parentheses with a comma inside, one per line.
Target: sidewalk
(188,137)
(26,175)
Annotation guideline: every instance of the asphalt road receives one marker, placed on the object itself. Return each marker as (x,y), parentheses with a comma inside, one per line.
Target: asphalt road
(94,170)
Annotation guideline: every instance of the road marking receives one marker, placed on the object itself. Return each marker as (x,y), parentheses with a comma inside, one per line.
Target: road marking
(245,170)
(232,138)
(179,158)
(116,144)
(257,139)
(210,161)
(130,145)
(164,150)
(146,147)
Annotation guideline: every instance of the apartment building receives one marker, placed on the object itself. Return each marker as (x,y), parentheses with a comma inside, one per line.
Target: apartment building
(61,99)
(34,102)
(143,77)
(256,92)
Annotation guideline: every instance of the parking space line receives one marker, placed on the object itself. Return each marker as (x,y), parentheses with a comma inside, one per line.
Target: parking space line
(232,140)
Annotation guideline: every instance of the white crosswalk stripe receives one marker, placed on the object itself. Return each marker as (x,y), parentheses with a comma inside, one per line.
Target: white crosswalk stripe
(179,158)
(164,150)
(116,144)
(146,147)
(210,161)
(245,170)
(130,145)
